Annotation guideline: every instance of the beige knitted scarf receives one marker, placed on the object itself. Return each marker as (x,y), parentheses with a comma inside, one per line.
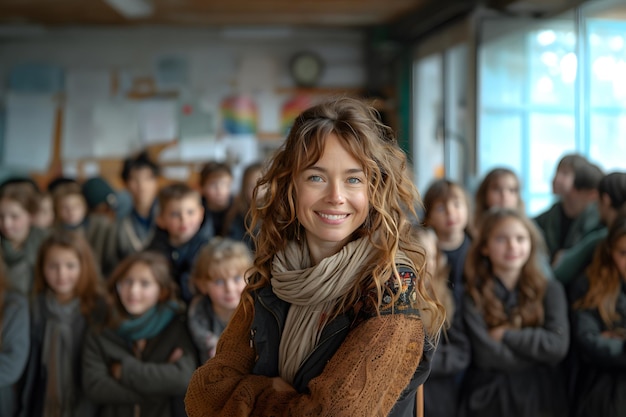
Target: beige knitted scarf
(312,291)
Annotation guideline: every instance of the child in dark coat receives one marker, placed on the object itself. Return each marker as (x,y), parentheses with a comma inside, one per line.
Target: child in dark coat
(141,362)
(14,343)
(136,230)
(19,238)
(67,299)
(181,232)
(575,215)
(219,276)
(599,329)
(72,213)
(452,357)
(216,180)
(517,324)
(447,212)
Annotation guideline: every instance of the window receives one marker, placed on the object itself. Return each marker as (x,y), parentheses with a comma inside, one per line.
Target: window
(551,88)
(440,102)
(526,102)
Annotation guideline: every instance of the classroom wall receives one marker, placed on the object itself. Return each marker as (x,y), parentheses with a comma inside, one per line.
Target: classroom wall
(218,63)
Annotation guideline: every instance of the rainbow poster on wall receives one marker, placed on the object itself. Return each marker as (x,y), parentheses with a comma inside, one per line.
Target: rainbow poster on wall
(292,109)
(239,115)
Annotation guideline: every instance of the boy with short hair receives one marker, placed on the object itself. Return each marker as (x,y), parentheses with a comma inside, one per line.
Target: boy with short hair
(216,180)
(611,201)
(219,275)
(563,180)
(135,231)
(575,215)
(181,232)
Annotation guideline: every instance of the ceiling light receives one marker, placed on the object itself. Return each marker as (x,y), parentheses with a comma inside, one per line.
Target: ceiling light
(132,9)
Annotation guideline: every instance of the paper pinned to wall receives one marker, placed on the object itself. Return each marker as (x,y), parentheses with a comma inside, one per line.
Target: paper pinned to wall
(30,123)
(78,130)
(105,128)
(198,121)
(88,84)
(116,127)
(158,121)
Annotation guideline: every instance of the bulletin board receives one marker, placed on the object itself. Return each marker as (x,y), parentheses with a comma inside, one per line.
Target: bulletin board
(82,123)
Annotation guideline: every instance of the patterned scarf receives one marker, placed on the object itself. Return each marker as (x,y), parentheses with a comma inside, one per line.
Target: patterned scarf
(312,291)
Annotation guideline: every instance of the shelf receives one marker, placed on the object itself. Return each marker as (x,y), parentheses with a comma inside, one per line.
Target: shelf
(320,91)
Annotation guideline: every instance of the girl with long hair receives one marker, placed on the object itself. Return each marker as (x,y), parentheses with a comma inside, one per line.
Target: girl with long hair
(499,188)
(141,361)
(516,321)
(599,329)
(19,237)
(67,298)
(330,323)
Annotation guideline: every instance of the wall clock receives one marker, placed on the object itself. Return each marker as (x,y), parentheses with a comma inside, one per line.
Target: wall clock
(306,68)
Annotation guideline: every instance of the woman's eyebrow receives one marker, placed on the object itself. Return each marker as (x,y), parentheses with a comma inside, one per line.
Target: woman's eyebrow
(324,170)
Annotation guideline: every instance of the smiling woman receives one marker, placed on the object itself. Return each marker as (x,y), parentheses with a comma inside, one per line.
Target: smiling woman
(332,200)
(336,320)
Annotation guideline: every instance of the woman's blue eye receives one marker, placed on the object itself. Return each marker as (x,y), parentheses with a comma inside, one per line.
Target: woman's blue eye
(354,180)
(315,178)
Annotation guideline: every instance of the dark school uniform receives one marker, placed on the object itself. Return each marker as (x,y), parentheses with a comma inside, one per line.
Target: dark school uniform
(519,376)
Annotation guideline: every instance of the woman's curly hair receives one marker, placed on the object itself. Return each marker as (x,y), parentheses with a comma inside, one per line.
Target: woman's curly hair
(391,192)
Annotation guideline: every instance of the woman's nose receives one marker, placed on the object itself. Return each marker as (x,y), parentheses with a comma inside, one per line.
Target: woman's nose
(335,193)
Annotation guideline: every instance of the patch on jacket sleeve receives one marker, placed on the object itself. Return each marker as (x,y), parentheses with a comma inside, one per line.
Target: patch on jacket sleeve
(405,289)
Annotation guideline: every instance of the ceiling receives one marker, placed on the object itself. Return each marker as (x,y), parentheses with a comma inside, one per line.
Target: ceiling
(403,20)
(339,13)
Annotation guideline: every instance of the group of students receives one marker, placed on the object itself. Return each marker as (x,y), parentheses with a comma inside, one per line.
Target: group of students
(321,310)
(536,322)
(111,316)
(335,304)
